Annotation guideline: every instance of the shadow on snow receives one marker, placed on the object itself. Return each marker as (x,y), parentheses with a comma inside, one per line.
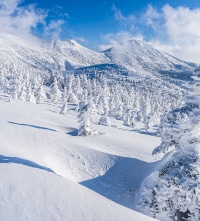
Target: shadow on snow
(121,181)
(6,159)
(73,133)
(34,126)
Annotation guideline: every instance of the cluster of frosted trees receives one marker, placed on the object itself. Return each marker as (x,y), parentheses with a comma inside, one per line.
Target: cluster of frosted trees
(98,98)
(174,189)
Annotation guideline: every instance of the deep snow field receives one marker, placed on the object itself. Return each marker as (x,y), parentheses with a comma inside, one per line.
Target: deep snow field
(47,172)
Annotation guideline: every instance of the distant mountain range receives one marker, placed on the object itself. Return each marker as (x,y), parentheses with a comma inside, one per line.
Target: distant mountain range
(136,58)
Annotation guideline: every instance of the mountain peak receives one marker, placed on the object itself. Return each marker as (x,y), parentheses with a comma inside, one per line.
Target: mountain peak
(64,43)
(141,58)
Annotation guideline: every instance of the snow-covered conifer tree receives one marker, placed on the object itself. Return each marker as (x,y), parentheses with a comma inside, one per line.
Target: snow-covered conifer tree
(71,97)
(77,88)
(105,120)
(84,120)
(40,95)
(55,93)
(92,109)
(129,118)
(64,108)
(30,95)
(22,93)
(15,89)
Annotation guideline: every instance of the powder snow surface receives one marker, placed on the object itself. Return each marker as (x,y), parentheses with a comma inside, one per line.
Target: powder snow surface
(49,173)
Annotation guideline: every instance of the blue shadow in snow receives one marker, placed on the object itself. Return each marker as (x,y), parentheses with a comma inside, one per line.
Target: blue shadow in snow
(120,182)
(146,132)
(73,133)
(6,159)
(34,126)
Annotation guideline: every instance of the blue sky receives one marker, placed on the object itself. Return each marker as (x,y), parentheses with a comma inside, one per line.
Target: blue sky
(99,24)
(90,20)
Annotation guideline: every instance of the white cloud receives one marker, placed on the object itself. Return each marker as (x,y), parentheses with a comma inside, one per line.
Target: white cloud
(80,39)
(8,7)
(53,29)
(151,15)
(172,30)
(124,21)
(118,40)
(128,30)
(176,31)
(21,21)
(120,17)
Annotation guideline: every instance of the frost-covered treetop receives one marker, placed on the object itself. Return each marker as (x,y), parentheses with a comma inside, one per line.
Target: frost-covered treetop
(177,127)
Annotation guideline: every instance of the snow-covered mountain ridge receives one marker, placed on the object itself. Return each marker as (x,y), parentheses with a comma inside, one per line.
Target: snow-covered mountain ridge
(47,55)
(135,57)
(139,57)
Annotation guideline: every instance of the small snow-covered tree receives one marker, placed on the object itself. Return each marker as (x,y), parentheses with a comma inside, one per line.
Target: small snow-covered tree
(64,108)
(92,109)
(78,90)
(84,120)
(105,120)
(129,118)
(15,89)
(40,95)
(64,94)
(72,98)
(22,93)
(30,95)
(55,93)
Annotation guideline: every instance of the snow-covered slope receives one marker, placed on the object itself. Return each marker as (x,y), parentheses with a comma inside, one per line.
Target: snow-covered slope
(42,161)
(30,193)
(139,57)
(72,54)
(46,55)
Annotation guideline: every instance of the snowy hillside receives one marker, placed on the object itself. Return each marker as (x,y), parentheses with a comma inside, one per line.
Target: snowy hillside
(139,57)
(47,55)
(72,54)
(42,162)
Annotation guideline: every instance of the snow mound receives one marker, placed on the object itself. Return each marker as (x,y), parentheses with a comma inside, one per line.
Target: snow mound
(28,193)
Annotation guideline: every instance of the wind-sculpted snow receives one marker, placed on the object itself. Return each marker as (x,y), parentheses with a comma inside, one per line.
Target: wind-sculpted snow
(21,161)
(31,194)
